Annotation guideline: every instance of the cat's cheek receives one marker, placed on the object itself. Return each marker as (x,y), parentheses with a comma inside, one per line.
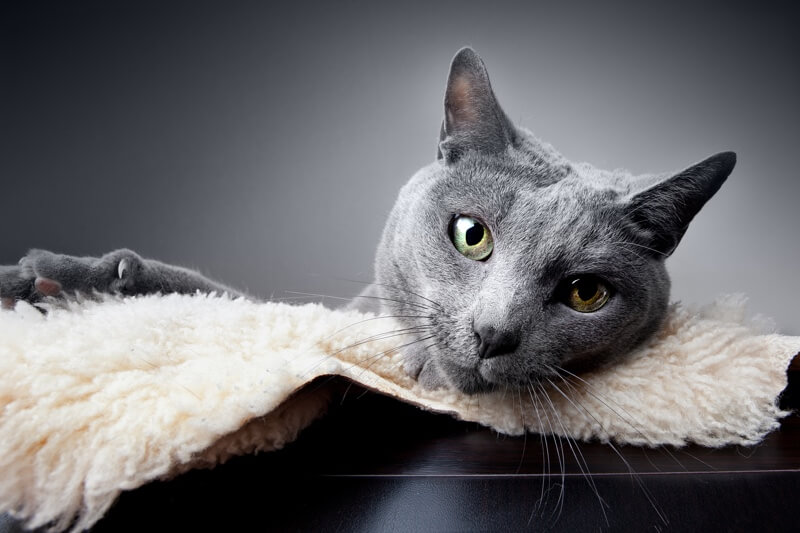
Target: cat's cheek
(575,330)
(414,360)
(596,340)
(431,377)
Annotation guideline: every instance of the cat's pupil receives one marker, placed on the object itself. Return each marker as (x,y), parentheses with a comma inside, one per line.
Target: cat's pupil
(474,235)
(586,289)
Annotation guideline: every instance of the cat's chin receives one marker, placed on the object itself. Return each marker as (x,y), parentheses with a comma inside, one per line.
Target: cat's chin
(454,376)
(499,373)
(484,376)
(497,379)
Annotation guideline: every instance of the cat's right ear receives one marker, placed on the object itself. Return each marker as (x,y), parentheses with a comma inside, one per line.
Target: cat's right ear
(663,212)
(473,120)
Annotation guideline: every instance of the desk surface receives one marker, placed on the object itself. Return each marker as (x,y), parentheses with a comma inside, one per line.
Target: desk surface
(376,464)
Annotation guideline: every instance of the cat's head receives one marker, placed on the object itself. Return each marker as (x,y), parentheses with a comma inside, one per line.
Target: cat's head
(509,261)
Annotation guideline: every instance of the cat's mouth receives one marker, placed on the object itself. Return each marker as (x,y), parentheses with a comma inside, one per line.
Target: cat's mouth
(511,371)
(497,373)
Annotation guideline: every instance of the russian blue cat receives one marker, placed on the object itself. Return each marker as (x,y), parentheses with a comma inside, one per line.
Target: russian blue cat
(507,262)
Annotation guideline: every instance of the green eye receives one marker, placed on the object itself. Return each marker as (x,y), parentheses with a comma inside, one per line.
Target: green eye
(471,238)
(585,294)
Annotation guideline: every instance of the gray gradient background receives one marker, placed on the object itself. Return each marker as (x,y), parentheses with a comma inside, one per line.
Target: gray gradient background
(265,145)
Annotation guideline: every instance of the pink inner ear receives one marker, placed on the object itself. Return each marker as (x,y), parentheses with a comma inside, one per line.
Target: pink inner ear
(460,106)
(48,287)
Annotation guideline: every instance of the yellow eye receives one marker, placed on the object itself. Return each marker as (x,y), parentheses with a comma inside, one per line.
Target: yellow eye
(586,294)
(471,238)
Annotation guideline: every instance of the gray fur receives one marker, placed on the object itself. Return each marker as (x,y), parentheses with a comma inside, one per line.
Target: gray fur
(121,271)
(473,120)
(551,219)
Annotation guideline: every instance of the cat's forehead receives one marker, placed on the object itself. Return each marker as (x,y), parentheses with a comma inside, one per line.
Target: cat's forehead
(502,186)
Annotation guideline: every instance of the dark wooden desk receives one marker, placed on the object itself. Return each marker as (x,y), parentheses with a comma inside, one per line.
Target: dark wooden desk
(374,464)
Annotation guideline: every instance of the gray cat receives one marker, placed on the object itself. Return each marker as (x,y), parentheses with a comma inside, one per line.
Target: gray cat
(507,262)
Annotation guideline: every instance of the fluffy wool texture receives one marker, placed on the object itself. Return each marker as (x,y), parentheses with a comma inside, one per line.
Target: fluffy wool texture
(101,397)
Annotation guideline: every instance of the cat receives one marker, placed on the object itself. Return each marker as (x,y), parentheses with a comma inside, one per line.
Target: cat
(506,262)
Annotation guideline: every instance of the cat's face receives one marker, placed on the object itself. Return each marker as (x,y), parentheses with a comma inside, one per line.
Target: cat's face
(511,262)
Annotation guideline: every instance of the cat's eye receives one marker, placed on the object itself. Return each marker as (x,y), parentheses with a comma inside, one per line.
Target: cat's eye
(471,237)
(585,294)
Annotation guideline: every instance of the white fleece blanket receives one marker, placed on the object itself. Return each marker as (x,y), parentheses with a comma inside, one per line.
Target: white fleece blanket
(101,397)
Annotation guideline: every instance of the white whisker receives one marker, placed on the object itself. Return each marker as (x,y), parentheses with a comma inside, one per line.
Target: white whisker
(632,472)
(582,465)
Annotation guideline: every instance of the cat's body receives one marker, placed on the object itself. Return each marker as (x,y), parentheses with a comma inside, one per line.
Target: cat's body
(506,261)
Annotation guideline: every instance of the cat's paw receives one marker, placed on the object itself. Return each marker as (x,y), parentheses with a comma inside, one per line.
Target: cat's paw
(119,271)
(43,274)
(14,286)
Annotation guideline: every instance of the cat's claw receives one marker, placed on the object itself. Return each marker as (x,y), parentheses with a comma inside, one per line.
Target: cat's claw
(41,274)
(122,267)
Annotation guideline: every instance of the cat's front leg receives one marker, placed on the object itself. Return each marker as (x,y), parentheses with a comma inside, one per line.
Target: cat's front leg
(41,274)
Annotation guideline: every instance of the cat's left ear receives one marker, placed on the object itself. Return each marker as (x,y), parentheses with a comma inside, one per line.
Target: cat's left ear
(663,212)
(473,120)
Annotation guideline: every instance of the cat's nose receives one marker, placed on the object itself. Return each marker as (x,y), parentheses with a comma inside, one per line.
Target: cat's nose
(494,342)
